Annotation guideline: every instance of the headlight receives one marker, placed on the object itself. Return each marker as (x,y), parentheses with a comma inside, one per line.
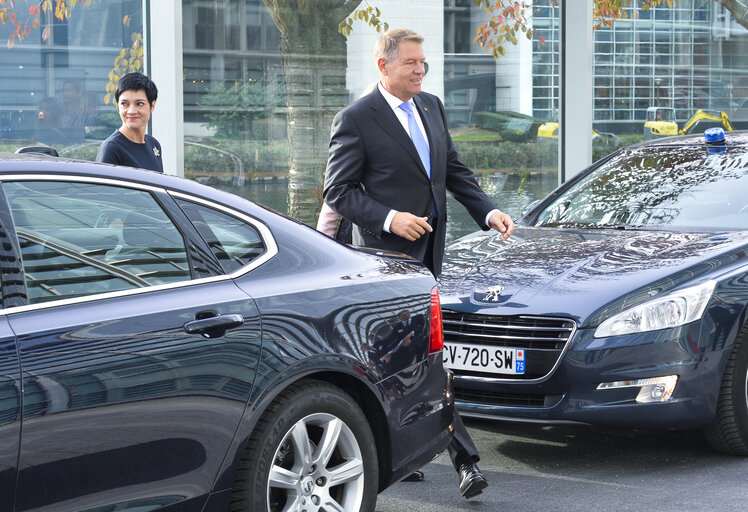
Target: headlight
(677,308)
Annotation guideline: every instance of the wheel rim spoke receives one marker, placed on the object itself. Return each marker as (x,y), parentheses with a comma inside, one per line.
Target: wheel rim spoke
(328,442)
(331,504)
(292,505)
(300,440)
(346,472)
(283,478)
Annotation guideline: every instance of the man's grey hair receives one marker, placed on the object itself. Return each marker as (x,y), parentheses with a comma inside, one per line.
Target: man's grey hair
(388,44)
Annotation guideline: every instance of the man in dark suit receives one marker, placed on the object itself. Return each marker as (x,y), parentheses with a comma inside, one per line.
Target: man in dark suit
(391,162)
(375,175)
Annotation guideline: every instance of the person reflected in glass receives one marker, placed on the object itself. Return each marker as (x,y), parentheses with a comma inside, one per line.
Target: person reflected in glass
(48,128)
(130,145)
(399,349)
(91,109)
(73,110)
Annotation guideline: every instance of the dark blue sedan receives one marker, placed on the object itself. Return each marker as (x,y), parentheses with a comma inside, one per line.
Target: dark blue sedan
(620,300)
(167,346)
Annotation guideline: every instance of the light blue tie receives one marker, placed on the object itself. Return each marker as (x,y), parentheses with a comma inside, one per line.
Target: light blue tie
(417,137)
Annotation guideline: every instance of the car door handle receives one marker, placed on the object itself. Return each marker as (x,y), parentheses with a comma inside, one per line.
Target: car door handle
(208,325)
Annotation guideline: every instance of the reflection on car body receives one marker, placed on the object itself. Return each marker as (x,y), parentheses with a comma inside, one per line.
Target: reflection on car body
(627,290)
(155,333)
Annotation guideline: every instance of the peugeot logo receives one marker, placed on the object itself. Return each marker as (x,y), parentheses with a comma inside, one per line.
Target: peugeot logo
(493,293)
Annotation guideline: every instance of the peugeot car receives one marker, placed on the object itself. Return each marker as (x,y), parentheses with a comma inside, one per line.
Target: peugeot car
(620,299)
(167,346)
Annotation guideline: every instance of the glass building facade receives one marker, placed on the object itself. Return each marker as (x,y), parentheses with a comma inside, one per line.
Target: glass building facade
(242,108)
(690,56)
(53,89)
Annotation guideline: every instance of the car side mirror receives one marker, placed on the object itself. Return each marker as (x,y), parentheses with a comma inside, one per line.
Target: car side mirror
(39,150)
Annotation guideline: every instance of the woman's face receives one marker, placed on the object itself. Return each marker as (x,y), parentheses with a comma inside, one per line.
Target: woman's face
(134,110)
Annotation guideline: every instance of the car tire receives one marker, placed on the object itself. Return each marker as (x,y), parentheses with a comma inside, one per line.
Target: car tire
(312,450)
(728,432)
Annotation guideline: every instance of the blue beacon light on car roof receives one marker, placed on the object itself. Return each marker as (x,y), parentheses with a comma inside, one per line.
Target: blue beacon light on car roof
(715,138)
(714,135)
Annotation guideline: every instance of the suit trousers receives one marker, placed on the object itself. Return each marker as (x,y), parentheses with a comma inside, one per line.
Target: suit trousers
(461,448)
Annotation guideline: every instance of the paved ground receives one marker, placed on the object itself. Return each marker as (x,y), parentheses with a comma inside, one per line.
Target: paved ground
(563,468)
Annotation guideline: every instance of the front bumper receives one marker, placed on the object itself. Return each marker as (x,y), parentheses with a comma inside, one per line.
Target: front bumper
(570,394)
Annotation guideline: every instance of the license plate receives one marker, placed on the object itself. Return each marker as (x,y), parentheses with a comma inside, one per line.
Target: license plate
(482,358)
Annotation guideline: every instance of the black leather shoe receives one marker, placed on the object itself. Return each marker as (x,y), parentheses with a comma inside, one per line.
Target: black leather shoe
(472,481)
(415,476)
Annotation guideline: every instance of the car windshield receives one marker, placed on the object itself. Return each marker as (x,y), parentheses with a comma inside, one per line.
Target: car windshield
(675,187)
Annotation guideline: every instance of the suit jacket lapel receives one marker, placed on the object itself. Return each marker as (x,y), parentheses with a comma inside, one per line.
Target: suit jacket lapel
(386,119)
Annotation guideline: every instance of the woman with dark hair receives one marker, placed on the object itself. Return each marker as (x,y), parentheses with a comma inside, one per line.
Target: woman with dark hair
(130,145)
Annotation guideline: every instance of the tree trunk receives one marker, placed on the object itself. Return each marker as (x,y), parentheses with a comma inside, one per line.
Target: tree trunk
(738,9)
(314,61)
(315,92)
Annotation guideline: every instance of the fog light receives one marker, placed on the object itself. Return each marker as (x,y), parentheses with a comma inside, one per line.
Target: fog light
(655,389)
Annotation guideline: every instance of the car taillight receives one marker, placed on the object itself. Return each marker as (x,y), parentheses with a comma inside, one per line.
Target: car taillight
(436,335)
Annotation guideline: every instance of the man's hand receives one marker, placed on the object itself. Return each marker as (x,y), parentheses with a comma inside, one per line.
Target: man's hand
(409,226)
(502,223)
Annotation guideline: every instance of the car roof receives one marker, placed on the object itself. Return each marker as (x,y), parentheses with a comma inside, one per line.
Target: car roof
(22,163)
(732,139)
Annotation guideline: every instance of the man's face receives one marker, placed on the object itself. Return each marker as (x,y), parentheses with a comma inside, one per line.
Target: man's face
(402,76)
(69,93)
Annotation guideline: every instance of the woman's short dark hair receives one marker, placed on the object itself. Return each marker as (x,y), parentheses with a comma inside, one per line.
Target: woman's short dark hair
(136,82)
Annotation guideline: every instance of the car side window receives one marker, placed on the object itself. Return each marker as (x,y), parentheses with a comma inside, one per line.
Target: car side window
(81,239)
(233,242)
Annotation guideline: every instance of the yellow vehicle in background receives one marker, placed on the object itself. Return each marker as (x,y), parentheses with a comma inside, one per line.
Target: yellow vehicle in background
(661,122)
(550,130)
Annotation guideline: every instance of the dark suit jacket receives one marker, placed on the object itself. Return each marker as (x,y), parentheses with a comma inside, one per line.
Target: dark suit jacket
(373,167)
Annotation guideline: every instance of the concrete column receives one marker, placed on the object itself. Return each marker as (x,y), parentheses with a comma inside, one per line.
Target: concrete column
(165,68)
(575,119)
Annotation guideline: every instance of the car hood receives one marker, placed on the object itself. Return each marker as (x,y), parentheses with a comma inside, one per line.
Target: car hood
(585,274)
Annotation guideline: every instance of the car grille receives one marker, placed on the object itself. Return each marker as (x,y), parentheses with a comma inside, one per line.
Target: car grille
(543,339)
(507,331)
(476,396)
(497,398)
